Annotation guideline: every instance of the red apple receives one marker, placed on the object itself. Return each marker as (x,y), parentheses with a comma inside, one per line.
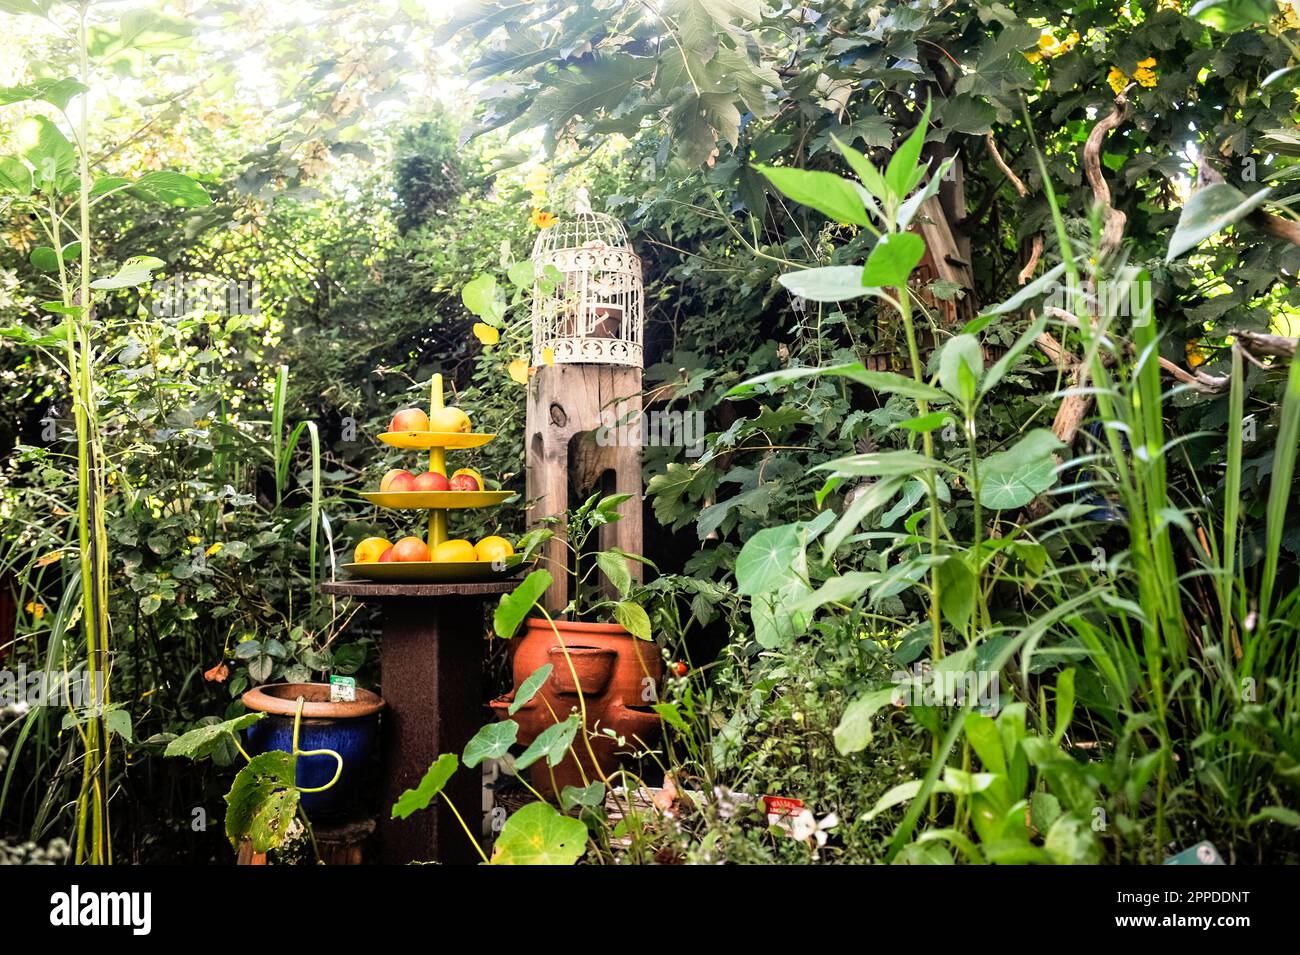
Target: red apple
(410,419)
(410,549)
(465,482)
(386,557)
(431,481)
(397,480)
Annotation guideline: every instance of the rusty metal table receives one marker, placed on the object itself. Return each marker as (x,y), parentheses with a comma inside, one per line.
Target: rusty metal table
(432,664)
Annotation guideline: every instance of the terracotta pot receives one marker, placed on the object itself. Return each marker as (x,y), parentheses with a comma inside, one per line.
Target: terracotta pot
(619,676)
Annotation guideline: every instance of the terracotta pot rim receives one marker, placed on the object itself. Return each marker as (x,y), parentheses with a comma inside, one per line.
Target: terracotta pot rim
(281,699)
(577,626)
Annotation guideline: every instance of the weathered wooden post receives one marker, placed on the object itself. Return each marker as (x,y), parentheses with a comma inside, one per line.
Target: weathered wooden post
(584,419)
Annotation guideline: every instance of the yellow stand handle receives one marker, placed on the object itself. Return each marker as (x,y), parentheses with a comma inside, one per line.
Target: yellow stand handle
(438,465)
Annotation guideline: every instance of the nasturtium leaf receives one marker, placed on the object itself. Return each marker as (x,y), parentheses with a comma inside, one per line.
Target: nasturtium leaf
(590,796)
(854,732)
(1211,209)
(479,295)
(538,834)
(528,689)
(766,560)
(434,780)
(831,283)
(515,605)
(199,743)
(1014,477)
(892,260)
(491,742)
(831,195)
(552,742)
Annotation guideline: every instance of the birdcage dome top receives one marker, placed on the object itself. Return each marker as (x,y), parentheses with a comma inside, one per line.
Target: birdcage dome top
(584,228)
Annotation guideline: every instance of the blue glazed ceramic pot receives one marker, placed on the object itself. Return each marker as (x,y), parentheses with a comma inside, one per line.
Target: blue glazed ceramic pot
(348,728)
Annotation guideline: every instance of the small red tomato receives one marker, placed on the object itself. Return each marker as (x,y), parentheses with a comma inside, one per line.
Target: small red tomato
(680,669)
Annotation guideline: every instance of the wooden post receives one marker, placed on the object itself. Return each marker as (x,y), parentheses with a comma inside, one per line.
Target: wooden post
(432,674)
(583,435)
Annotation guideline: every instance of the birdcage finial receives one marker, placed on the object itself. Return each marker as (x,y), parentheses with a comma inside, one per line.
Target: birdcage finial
(583,202)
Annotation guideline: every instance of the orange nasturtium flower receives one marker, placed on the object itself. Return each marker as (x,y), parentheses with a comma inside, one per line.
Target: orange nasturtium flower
(52,557)
(519,371)
(37,610)
(548,355)
(541,219)
(485,333)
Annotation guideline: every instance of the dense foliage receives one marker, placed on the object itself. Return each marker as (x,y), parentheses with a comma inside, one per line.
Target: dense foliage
(1139,611)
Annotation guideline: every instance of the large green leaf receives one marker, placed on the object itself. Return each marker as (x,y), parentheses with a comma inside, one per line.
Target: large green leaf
(1232,16)
(832,195)
(893,259)
(47,150)
(539,835)
(633,618)
(17,178)
(957,585)
(1014,477)
(491,742)
(56,92)
(200,742)
(903,171)
(614,566)
(1211,209)
(880,464)
(854,731)
(262,801)
(135,271)
(515,605)
(886,382)
(833,283)
(433,782)
(961,352)
(171,188)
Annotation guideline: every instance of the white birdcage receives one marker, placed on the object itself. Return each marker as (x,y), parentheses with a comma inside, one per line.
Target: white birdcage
(594,312)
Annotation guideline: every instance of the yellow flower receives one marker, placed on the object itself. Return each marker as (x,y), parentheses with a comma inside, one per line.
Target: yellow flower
(214,549)
(36,610)
(194,540)
(548,355)
(519,371)
(486,333)
(1144,74)
(1117,79)
(1049,46)
(1168,5)
(543,220)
